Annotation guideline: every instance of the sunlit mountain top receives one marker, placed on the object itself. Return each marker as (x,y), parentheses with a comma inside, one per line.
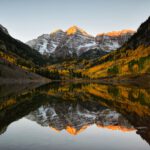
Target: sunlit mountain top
(75,29)
(118,33)
(117,127)
(74,131)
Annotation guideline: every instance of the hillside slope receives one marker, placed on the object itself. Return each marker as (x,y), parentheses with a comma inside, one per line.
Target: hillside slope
(10,73)
(18,50)
(17,60)
(132,59)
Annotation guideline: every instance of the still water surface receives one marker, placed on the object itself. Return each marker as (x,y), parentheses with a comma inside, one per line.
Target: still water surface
(62,116)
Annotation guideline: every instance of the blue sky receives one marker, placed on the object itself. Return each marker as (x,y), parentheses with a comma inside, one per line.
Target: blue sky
(27,19)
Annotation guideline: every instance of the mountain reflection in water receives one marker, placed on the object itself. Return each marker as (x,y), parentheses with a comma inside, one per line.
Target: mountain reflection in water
(76,117)
(74,107)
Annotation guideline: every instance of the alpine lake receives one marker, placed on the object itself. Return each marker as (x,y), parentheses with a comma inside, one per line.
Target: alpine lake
(74,116)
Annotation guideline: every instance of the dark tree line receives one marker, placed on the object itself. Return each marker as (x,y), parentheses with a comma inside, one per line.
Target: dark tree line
(74,74)
(53,75)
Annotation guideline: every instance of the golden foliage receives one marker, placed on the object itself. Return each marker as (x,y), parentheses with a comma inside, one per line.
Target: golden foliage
(122,63)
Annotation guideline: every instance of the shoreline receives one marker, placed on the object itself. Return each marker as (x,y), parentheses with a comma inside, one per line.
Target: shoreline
(141,80)
(4,81)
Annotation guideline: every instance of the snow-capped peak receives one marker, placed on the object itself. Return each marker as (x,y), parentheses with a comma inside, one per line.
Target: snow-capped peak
(76,42)
(117,33)
(76,30)
(113,40)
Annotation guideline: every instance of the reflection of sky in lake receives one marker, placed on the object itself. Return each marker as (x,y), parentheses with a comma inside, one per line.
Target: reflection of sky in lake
(26,134)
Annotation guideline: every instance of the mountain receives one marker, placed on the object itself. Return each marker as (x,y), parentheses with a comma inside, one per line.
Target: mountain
(16,48)
(17,60)
(3,29)
(76,42)
(128,64)
(113,40)
(132,59)
(93,53)
(47,43)
(75,118)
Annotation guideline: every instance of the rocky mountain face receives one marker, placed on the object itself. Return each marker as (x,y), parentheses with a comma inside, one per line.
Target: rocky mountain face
(75,42)
(47,43)
(76,118)
(113,40)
